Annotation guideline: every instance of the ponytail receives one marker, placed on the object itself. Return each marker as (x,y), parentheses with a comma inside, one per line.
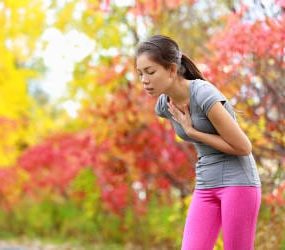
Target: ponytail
(189,70)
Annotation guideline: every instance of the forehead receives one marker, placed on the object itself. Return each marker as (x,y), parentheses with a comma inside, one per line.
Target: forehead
(144,60)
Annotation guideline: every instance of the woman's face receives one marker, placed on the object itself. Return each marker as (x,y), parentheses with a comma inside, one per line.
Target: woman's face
(154,77)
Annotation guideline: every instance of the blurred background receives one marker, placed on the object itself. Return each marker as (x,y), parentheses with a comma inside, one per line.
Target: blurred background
(84,161)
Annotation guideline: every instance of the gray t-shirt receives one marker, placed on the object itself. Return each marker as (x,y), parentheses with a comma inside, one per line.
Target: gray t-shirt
(213,168)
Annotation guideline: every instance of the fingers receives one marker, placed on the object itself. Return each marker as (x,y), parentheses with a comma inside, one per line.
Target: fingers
(173,109)
(174,112)
(186,110)
(187,113)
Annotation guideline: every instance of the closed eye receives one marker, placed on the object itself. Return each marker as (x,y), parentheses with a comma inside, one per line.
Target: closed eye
(149,73)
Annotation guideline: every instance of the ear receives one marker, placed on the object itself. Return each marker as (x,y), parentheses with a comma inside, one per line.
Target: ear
(173,70)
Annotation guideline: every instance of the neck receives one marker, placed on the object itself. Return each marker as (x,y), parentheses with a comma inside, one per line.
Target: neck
(179,92)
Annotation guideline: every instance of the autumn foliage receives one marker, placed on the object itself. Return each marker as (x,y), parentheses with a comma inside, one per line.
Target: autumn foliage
(115,155)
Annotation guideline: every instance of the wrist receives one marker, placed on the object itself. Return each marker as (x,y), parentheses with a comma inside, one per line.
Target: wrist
(190,131)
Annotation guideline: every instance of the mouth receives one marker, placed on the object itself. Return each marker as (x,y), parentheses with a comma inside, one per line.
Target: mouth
(148,89)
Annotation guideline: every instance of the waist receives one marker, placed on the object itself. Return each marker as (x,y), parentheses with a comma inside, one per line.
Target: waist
(213,158)
(205,150)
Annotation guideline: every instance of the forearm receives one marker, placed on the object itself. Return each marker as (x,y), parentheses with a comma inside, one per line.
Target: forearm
(215,141)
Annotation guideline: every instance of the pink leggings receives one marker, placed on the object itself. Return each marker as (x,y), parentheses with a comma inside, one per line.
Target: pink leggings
(234,209)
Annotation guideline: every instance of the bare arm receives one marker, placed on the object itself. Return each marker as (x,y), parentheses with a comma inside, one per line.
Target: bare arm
(230,139)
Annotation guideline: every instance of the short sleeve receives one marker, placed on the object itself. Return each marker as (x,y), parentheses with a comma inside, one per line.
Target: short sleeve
(207,95)
(160,107)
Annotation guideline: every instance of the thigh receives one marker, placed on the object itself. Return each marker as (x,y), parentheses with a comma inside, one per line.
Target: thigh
(203,222)
(240,207)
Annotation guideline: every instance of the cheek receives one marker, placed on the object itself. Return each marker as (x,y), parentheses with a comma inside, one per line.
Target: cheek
(160,76)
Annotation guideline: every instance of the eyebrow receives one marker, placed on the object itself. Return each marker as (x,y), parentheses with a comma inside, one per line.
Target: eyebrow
(146,67)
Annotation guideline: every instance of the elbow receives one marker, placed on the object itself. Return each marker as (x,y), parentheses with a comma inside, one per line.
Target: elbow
(245,149)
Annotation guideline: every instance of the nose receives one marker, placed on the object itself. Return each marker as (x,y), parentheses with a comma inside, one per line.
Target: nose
(144,79)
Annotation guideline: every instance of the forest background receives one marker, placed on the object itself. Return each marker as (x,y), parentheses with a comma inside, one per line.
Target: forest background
(84,161)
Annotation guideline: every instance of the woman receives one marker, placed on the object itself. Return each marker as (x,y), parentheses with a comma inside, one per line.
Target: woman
(227,193)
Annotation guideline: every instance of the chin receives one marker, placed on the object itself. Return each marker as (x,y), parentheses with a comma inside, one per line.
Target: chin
(154,94)
(151,93)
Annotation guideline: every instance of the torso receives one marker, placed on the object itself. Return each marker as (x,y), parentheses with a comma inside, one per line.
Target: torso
(214,168)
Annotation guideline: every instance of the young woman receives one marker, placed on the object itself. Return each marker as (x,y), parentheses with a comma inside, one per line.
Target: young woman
(227,193)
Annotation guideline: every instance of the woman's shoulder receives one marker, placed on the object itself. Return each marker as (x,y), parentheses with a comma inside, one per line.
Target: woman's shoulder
(199,83)
(199,86)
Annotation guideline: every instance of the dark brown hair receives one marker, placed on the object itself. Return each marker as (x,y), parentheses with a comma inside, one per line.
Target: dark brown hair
(165,51)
